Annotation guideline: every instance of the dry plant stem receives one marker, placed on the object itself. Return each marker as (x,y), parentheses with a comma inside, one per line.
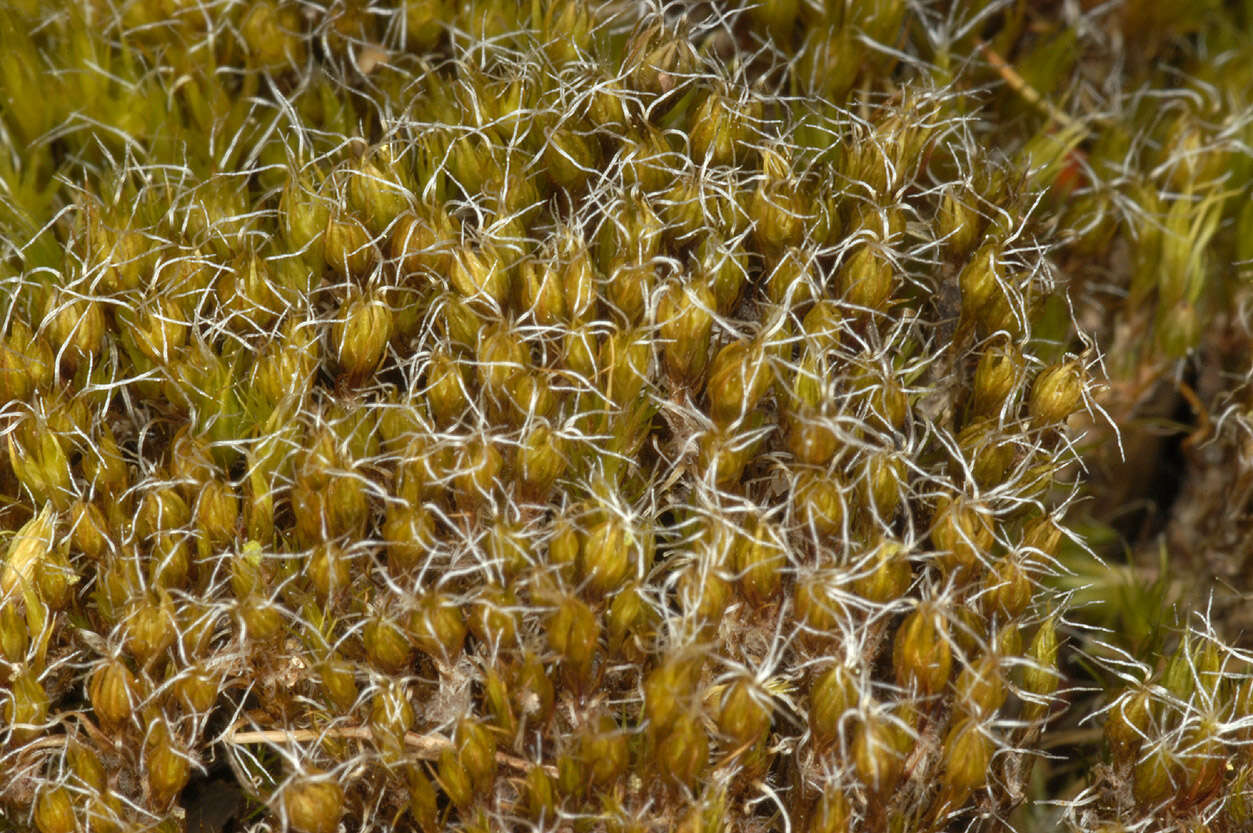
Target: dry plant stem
(428,747)
(1020,86)
(1202,416)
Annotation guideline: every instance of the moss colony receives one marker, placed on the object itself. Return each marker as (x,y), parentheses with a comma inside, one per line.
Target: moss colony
(563,417)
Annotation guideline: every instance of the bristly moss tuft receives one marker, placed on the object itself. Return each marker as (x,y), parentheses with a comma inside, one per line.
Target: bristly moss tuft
(625,416)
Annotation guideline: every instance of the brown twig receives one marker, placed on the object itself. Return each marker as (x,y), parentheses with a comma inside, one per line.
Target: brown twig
(428,747)
(1027,92)
(1202,416)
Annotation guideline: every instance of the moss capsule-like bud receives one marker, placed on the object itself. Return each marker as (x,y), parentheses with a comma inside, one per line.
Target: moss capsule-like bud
(540,292)
(359,334)
(476,750)
(303,217)
(979,280)
(724,266)
(831,813)
(625,360)
(683,752)
(249,572)
(75,329)
(150,628)
(499,356)
(685,322)
(541,460)
(876,760)
(667,690)
(86,765)
(103,466)
(1201,764)
(738,377)
(887,575)
(577,275)
(261,620)
(157,330)
(313,804)
(28,552)
(819,502)
(480,277)
(54,811)
(347,247)
(422,242)
(14,632)
(112,692)
(759,561)
(386,646)
(829,61)
(26,707)
(574,634)
(823,327)
(980,688)
(496,699)
(423,799)
(447,388)
(272,35)
(89,530)
(379,186)
(27,363)
(438,627)
(608,552)
(391,716)
(660,60)
(567,30)
(409,532)
(38,458)
(328,570)
(831,694)
(564,546)
(704,595)
(996,376)
(881,485)
(339,682)
(478,470)
(494,615)
(286,366)
(627,612)
(570,156)
(967,754)
(1041,539)
(531,690)
(1008,588)
(161,510)
(778,216)
(814,604)
(1056,393)
(540,794)
(921,653)
(744,714)
(717,130)
(1153,776)
(961,534)
(866,279)
(217,514)
(811,436)
(1127,723)
(168,768)
(604,750)
(197,689)
(958,223)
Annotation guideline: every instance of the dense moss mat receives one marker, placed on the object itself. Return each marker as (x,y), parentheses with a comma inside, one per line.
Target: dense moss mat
(563,416)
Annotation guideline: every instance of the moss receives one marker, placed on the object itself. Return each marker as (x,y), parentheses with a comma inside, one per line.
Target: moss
(562,417)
